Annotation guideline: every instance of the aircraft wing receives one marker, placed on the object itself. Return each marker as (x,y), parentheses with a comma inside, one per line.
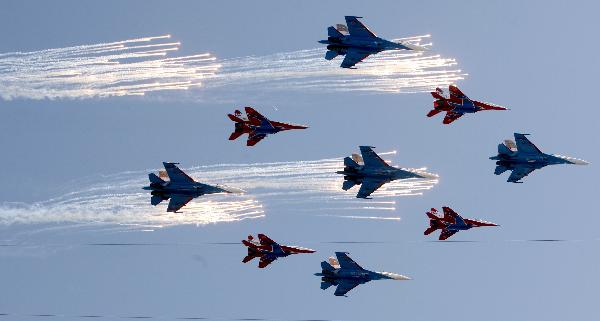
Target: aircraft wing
(176,175)
(452,217)
(265,261)
(369,186)
(525,146)
(449,215)
(344,286)
(451,116)
(356,28)
(253,116)
(254,138)
(459,220)
(235,135)
(346,262)
(518,173)
(429,230)
(370,158)
(265,240)
(353,57)
(177,202)
(455,92)
(446,234)
(249,258)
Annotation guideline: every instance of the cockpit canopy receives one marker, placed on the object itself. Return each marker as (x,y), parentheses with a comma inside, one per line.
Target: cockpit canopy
(510,145)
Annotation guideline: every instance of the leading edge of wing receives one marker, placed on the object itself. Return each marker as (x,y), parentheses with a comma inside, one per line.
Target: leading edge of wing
(369,186)
(353,57)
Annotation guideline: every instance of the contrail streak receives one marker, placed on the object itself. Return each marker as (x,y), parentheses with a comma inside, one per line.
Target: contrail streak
(141,66)
(298,186)
(129,67)
(395,71)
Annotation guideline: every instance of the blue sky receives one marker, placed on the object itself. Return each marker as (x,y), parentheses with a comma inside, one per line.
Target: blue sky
(537,58)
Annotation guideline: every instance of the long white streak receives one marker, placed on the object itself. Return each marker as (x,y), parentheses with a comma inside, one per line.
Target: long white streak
(297,186)
(390,71)
(385,218)
(128,67)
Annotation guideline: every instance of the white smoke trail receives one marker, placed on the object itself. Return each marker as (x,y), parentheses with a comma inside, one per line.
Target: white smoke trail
(129,67)
(395,71)
(140,66)
(296,186)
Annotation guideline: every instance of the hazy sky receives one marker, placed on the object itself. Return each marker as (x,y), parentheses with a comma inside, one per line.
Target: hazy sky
(538,58)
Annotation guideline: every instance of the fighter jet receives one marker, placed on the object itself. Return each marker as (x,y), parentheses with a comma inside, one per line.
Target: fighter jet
(179,187)
(357,42)
(524,157)
(256,126)
(451,223)
(346,274)
(457,104)
(372,172)
(268,250)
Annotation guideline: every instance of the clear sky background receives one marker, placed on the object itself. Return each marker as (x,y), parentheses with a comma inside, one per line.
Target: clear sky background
(539,58)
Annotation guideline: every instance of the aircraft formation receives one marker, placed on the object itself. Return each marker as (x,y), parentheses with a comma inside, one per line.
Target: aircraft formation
(356,43)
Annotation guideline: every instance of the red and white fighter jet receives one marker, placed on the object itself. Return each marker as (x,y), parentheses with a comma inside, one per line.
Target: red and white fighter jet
(457,104)
(451,223)
(256,126)
(268,250)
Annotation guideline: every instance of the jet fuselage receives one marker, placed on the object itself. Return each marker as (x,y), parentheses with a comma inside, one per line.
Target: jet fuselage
(196,189)
(465,106)
(391,173)
(531,160)
(374,44)
(365,275)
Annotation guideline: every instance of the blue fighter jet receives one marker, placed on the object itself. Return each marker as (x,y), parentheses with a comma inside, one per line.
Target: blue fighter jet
(358,43)
(346,274)
(179,187)
(523,157)
(372,172)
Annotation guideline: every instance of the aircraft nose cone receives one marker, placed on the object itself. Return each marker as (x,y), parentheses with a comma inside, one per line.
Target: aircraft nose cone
(232,190)
(395,276)
(414,47)
(580,162)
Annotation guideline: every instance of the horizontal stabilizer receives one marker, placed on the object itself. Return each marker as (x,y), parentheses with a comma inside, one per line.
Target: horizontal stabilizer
(433,112)
(155,200)
(348,184)
(250,245)
(430,230)
(235,135)
(249,258)
(500,169)
(235,118)
(330,54)
(325,285)
(432,216)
